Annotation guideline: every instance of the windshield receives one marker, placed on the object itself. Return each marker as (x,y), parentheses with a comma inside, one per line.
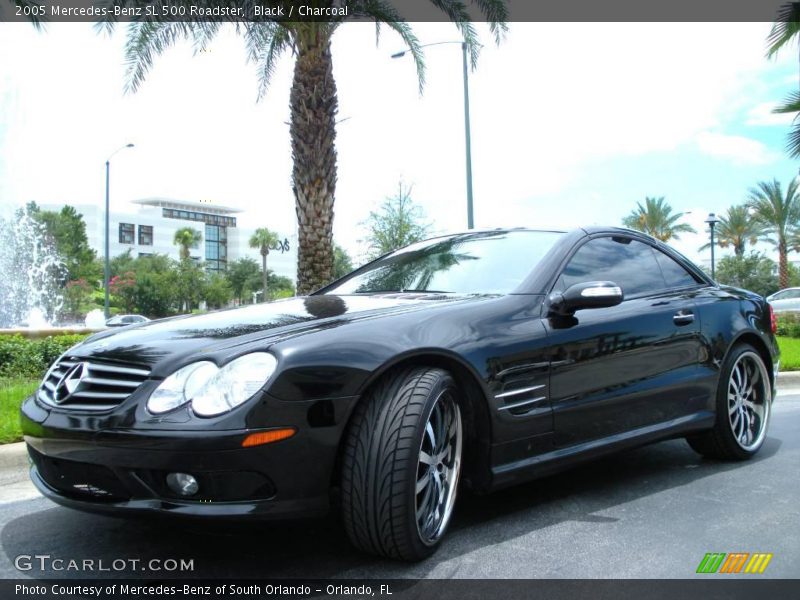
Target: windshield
(491,262)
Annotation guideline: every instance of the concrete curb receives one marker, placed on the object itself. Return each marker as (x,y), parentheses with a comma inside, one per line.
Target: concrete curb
(788,378)
(15,485)
(13,456)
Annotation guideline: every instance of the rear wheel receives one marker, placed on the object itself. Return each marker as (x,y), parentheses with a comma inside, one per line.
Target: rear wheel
(401,464)
(744,403)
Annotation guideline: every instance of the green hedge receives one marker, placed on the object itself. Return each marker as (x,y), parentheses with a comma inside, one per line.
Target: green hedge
(788,324)
(21,357)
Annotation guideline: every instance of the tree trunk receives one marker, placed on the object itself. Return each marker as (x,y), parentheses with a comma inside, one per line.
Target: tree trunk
(313,103)
(264,276)
(783,267)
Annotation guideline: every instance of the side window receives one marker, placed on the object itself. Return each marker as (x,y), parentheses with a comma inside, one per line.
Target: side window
(675,275)
(630,264)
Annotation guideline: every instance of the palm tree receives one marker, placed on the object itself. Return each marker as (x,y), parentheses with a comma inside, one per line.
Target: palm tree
(265,240)
(186,238)
(736,229)
(779,215)
(313,99)
(792,106)
(785,29)
(655,218)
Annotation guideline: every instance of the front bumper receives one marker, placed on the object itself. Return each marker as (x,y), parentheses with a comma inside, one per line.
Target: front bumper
(124,471)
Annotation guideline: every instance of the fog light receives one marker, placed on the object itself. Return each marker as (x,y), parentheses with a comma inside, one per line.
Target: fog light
(183,484)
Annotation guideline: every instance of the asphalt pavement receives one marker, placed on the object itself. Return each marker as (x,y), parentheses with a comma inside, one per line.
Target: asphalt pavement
(653,512)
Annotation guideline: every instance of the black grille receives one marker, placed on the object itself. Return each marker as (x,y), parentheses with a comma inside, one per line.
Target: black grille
(79,480)
(90,384)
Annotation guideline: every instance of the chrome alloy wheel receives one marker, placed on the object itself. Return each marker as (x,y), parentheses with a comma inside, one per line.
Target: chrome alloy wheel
(749,400)
(439,468)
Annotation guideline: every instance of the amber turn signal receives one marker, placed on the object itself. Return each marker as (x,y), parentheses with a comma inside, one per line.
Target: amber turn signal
(268,437)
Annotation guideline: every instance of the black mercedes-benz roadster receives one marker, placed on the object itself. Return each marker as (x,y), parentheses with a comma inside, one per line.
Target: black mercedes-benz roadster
(481,359)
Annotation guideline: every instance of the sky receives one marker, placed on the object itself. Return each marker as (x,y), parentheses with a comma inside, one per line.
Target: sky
(572,124)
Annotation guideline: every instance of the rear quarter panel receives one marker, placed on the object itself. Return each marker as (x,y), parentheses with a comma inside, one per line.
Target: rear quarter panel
(728,316)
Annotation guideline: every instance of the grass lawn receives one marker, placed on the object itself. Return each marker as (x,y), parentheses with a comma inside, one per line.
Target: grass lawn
(790,353)
(12,393)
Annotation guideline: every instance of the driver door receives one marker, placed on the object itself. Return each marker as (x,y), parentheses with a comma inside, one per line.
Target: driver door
(629,366)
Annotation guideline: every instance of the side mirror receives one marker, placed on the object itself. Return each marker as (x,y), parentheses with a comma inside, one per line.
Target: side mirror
(590,294)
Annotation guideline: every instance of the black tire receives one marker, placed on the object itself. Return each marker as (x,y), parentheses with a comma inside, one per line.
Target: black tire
(382,468)
(724,441)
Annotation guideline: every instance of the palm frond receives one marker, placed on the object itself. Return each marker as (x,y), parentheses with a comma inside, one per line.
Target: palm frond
(384,13)
(496,14)
(682,227)
(737,228)
(147,39)
(202,36)
(779,213)
(276,39)
(793,141)
(256,37)
(457,12)
(790,105)
(785,28)
(655,217)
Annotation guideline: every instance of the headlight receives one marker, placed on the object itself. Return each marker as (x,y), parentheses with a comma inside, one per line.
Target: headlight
(178,388)
(233,384)
(211,390)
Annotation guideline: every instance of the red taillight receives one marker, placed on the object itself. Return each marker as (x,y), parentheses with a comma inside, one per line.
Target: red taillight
(773,321)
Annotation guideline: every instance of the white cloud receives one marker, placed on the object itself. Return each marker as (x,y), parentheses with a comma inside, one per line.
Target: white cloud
(738,149)
(762,115)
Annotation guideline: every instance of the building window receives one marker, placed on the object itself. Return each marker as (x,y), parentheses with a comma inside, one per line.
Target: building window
(190,215)
(216,248)
(145,235)
(126,233)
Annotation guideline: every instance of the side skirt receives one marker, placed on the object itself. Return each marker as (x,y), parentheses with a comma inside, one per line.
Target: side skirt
(559,459)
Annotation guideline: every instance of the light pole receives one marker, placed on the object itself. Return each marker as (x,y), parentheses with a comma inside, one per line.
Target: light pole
(106,266)
(467,135)
(712,221)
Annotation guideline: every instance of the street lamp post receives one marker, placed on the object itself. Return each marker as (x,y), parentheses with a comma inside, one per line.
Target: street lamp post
(467,134)
(712,221)
(106,265)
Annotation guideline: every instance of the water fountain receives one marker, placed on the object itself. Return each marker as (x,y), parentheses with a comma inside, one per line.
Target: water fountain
(31,274)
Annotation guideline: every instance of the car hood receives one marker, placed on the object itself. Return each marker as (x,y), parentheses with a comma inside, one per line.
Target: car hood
(170,340)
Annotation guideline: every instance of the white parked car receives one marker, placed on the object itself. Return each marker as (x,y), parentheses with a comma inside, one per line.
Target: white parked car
(123,320)
(785,300)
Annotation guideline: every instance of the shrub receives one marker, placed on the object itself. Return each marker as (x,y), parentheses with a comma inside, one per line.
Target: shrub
(788,324)
(21,357)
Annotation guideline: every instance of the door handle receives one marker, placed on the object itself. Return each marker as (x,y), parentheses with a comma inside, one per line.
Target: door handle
(683,318)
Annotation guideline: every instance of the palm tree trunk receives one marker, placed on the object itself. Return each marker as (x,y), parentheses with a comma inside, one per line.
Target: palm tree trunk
(313,103)
(264,277)
(783,267)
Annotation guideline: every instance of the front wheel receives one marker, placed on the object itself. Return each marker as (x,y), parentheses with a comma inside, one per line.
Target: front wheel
(744,405)
(401,464)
